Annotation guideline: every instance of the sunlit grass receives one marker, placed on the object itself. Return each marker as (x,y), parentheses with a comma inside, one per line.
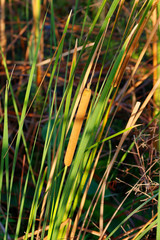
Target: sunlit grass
(80,150)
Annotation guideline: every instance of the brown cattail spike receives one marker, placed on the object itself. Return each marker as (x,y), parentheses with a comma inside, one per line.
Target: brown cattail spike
(77,126)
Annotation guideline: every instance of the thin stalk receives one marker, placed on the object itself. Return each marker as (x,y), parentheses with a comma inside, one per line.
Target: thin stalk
(19,135)
(54,211)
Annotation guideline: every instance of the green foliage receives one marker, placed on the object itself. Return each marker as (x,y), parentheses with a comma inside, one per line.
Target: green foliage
(104,185)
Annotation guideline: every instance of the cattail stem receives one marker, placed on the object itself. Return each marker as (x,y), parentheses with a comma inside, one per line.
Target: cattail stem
(77,126)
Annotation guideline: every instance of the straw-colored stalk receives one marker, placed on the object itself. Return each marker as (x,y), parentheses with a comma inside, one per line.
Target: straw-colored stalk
(36,9)
(155,75)
(67,223)
(156,72)
(77,126)
(2,26)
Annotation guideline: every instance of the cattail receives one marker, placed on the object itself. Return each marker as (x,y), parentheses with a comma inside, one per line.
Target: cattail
(77,126)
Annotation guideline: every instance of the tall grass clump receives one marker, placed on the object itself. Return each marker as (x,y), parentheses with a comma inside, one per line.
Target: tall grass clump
(79,155)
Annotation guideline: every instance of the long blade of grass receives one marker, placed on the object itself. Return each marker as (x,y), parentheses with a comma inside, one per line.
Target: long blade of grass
(91,131)
(49,133)
(84,178)
(144,104)
(133,122)
(19,135)
(84,21)
(112,136)
(78,178)
(53,39)
(148,229)
(145,227)
(85,141)
(4,156)
(134,187)
(114,157)
(68,99)
(131,214)
(22,204)
(102,29)
(85,80)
